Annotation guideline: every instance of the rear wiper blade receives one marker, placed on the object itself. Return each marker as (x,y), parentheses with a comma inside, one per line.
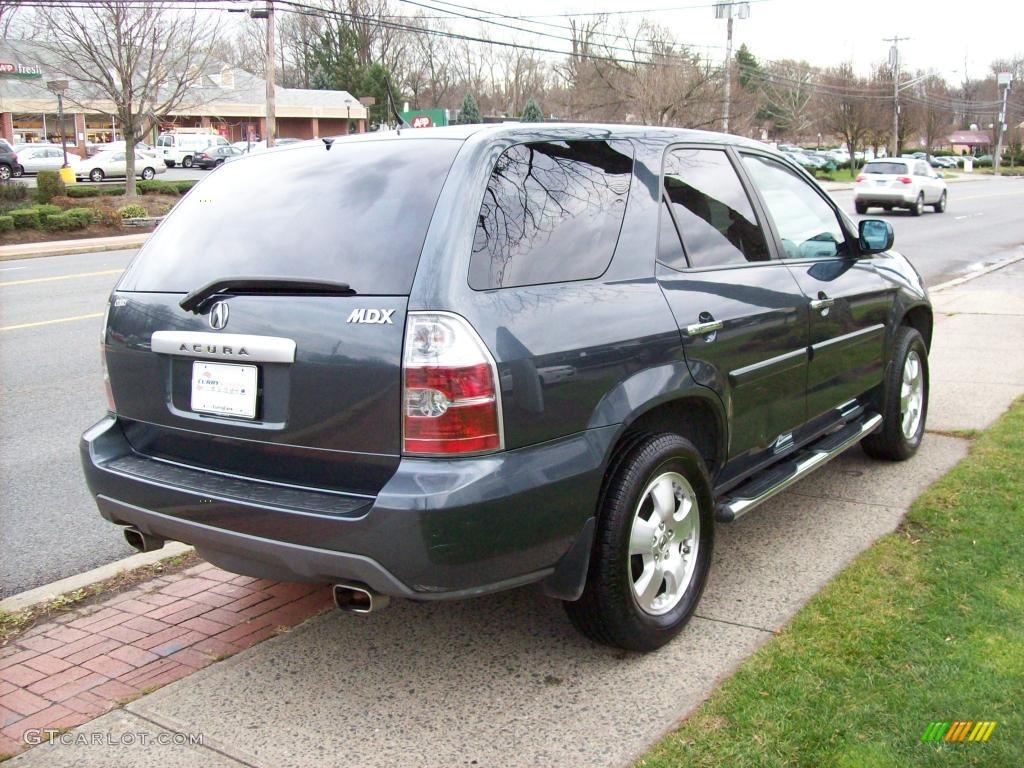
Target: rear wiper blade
(296,286)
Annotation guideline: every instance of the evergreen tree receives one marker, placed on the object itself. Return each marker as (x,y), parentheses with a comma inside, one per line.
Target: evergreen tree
(470,112)
(532,113)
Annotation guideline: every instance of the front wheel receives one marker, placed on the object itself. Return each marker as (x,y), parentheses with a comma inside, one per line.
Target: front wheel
(148,174)
(652,550)
(904,400)
(5,172)
(940,206)
(96,174)
(187,162)
(918,207)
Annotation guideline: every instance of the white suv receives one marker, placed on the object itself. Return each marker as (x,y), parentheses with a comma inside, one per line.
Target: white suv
(181,148)
(899,183)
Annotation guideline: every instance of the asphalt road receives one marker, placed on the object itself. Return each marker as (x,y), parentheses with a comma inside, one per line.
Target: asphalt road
(50,316)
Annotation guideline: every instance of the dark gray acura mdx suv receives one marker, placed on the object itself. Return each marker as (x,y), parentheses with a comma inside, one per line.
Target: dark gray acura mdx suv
(439,363)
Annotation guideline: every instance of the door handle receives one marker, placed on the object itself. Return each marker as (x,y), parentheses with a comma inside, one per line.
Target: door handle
(701,329)
(822,302)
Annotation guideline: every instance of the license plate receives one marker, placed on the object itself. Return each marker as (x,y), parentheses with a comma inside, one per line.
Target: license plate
(224,388)
(882,182)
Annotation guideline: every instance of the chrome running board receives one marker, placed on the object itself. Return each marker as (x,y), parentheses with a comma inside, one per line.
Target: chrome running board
(778,478)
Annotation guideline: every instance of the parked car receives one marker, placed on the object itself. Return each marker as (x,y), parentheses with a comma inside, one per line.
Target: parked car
(42,157)
(9,165)
(511,390)
(114,163)
(260,146)
(944,161)
(181,148)
(899,183)
(141,148)
(213,157)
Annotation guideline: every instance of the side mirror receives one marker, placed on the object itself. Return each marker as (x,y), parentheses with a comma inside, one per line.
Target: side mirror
(875,236)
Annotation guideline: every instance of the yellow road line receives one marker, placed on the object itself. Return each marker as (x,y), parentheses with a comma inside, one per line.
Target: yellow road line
(61,277)
(51,322)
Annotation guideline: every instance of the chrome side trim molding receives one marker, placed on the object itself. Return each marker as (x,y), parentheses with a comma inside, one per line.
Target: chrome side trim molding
(234,347)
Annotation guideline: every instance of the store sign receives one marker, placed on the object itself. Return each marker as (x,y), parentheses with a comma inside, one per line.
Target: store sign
(423,121)
(425,118)
(8,69)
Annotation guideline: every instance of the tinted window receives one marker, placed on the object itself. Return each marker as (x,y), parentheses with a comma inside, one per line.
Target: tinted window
(711,210)
(357,214)
(889,167)
(806,224)
(552,212)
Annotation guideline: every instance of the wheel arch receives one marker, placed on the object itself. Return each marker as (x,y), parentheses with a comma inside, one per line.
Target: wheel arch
(920,318)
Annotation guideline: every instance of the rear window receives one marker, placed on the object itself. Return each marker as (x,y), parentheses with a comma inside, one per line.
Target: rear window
(551,213)
(356,214)
(889,167)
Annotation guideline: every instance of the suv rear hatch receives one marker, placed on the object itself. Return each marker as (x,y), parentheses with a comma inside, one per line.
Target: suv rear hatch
(288,368)
(883,174)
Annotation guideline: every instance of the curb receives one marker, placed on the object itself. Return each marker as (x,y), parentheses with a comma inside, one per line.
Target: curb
(68,247)
(974,275)
(47,592)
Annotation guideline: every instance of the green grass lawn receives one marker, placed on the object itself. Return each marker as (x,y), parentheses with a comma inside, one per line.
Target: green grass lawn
(842,174)
(926,625)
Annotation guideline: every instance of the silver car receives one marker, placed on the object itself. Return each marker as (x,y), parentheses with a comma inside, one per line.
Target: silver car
(42,157)
(103,164)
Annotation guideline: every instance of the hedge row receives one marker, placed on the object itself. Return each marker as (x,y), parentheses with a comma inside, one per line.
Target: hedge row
(144,187)
(48,217)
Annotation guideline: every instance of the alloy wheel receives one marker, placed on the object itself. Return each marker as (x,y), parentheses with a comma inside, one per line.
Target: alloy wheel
(663,543)
(912,395)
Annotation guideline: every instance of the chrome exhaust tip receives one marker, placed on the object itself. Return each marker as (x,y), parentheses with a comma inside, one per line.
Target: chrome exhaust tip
(356,599)
(142,541)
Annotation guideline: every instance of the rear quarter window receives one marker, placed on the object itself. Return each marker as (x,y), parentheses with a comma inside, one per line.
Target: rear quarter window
(551,213)
(356,214)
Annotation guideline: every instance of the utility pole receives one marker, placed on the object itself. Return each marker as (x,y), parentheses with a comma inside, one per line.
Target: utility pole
(894,62)
(1003,79)
(268,14)
(725,11)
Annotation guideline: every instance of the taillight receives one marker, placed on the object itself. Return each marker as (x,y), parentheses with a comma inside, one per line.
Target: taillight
(905,180)
(860,178)
(103,363)
(451,403)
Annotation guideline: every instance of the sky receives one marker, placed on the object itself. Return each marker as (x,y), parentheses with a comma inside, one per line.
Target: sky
(943,35)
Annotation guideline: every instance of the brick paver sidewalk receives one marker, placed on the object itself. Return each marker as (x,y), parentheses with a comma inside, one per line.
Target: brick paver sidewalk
(77,666)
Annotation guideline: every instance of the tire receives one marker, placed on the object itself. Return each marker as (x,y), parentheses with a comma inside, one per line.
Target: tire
(18,172)
(186,161)
(5,172)
(862,208)
(218,164)
(940,207)
(918,207)
(169,163)
(610,611)
(148,174)
(900,434)
(96,174)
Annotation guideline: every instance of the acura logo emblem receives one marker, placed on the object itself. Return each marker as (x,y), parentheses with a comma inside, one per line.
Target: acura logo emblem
(219,315)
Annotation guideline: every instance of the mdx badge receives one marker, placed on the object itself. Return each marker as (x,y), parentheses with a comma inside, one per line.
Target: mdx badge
(380,316)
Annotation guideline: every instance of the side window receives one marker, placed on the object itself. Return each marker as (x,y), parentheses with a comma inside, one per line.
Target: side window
(670,247)
(551,212)
(806,224)
(711,210)
(921,169)
(119,157)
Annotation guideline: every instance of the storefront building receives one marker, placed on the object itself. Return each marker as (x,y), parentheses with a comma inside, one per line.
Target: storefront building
(227,100)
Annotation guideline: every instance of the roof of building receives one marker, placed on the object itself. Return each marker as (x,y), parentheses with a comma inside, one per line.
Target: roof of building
(221,91)
(969,137)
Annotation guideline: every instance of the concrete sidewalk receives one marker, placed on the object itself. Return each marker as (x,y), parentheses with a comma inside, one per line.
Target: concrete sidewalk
(63,247)
(504,680)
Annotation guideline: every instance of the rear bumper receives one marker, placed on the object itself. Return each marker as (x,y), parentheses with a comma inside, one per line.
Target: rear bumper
(438,529)
(887,195)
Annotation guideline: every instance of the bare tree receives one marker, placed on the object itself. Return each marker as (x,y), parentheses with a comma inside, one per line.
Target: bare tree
(787,92)
(142,58)
(845,105)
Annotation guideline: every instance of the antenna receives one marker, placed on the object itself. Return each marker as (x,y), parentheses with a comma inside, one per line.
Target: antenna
(402,122)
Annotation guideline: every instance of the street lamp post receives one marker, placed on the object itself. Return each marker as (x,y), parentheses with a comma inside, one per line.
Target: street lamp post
(58,87)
